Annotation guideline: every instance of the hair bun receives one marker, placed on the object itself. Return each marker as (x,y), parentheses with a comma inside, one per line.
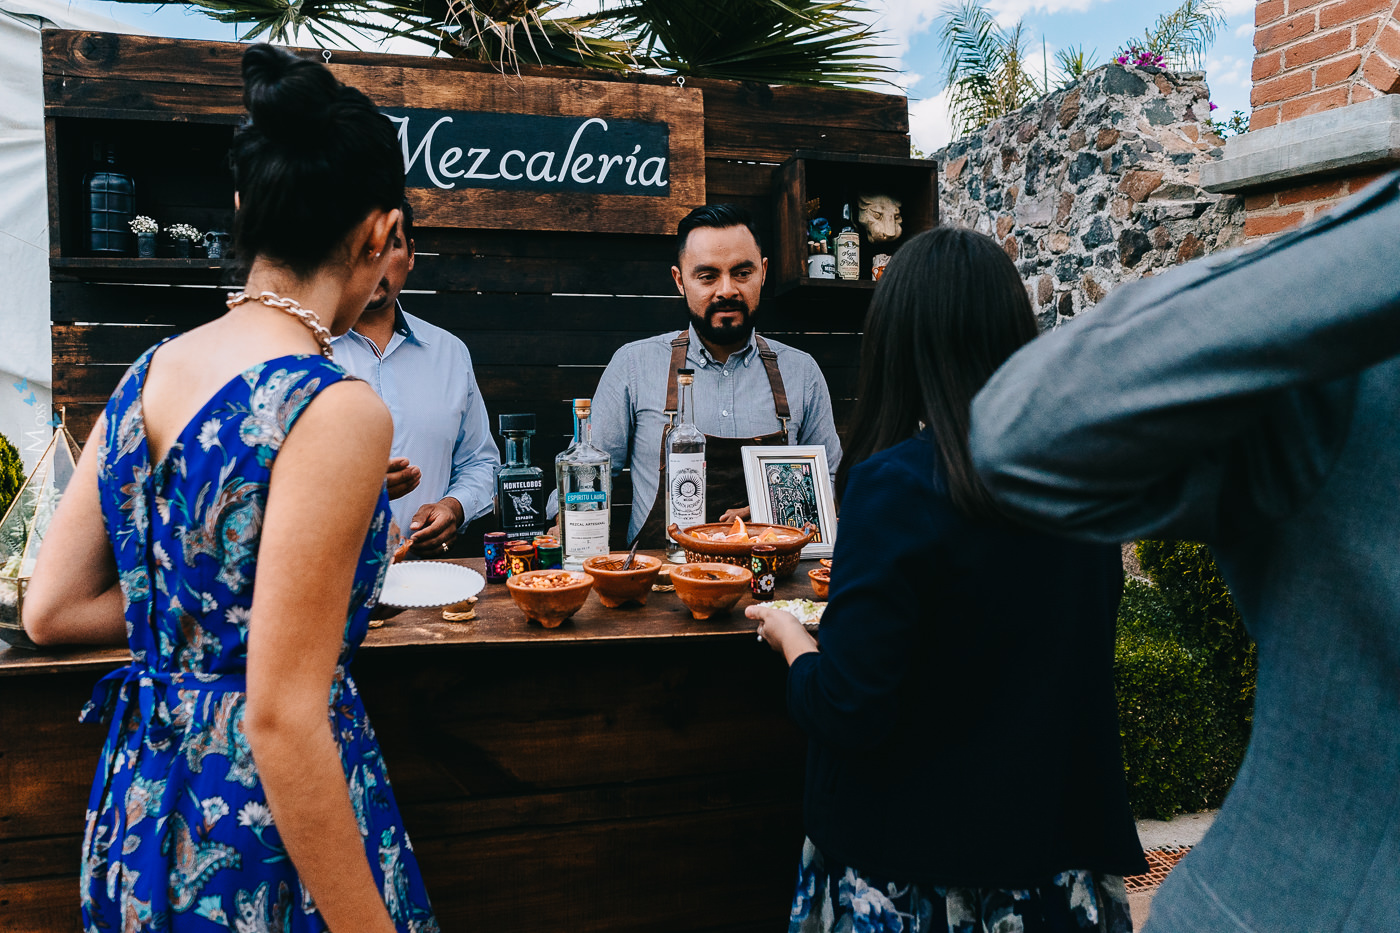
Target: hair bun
(289,98)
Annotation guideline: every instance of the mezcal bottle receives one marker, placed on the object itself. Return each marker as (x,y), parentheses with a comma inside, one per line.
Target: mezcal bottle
(584,474)
(847,247)
(520,492)
(685,468)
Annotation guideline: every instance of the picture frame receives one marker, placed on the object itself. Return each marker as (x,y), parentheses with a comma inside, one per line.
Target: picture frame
(792,486)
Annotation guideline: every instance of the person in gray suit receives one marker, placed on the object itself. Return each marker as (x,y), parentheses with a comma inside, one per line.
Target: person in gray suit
(1251,400)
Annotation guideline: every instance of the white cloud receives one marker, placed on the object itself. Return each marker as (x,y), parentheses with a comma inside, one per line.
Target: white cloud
(929,126)
(1232,8)
(1009,11)
(899,21)
(1227,70)
(1246,31)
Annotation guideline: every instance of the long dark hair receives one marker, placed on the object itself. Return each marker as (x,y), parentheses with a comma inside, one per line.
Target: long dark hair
(314,159)
(949,309)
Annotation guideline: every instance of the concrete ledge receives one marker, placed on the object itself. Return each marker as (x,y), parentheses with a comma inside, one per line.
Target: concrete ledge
(1364,135)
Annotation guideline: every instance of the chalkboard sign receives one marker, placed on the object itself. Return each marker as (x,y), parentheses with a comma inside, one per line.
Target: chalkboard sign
(449,151)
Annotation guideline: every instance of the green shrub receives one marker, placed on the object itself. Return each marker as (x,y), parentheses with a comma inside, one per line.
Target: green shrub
(1184,672)
(11,473)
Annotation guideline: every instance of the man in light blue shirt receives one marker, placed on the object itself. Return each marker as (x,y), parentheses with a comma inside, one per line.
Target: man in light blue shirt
(443,471)
(748,390)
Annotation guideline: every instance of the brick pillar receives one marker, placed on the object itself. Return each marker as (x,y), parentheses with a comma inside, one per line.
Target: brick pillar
(1314,56)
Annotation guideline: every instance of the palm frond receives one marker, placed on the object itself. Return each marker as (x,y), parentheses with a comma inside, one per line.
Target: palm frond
(813,42)
(1184,35)
(1073,62)
(985,67)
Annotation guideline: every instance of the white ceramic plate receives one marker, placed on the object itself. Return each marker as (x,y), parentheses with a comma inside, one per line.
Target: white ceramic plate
(415,584)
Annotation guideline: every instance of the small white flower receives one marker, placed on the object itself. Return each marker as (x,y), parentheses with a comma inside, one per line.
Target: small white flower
(237,616)
(207,602)
(254,814)
(183,232)
(214,809)
(209,434)
(162,557)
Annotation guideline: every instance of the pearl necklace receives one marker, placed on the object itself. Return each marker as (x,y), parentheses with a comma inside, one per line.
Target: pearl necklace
(289,305)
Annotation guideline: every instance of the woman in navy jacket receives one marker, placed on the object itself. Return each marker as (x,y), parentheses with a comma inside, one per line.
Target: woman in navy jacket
(964,769)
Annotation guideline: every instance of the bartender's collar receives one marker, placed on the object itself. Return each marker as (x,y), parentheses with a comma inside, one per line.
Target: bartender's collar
(701,353)
(401,325)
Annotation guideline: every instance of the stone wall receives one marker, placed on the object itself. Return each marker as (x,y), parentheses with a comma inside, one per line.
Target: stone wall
(1094,185)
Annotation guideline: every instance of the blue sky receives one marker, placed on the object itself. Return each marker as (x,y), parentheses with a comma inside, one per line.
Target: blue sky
(911,31)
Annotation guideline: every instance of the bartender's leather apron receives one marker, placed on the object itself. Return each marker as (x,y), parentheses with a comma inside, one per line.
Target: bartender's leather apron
(725,488)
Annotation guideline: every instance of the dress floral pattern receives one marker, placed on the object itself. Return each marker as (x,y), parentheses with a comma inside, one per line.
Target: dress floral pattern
(839,899)
(179,835)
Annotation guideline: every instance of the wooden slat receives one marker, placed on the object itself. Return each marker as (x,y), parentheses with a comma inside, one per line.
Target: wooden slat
(47,905)
(39,858)
(89,72)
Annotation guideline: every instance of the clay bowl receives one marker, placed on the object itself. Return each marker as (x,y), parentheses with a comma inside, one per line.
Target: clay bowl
(616,586)
(788,548)
(710,588)
(549,607)
(821,581)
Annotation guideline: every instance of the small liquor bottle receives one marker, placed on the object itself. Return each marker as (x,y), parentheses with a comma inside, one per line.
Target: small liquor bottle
(584,474)
(520,492)
(847,247)
(685,468)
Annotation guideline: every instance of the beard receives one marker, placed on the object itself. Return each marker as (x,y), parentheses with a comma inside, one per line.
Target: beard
(727,334)
(380,298)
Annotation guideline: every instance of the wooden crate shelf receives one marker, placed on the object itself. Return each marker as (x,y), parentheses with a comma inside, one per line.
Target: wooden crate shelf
(836,178)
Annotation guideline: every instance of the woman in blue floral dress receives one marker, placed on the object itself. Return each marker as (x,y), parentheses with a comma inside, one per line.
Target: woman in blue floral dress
(964,773)
(228,520)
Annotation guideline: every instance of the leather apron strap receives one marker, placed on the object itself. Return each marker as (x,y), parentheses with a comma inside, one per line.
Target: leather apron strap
(725,487)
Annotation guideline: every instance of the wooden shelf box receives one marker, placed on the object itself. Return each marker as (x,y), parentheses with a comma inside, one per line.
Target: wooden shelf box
(836,178)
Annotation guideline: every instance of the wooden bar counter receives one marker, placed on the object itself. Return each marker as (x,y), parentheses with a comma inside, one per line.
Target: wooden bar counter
(631,770)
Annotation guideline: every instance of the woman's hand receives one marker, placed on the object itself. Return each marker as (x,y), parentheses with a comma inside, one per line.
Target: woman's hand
(782,631)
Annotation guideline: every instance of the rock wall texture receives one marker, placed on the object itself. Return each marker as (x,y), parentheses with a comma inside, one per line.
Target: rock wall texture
(1094,185)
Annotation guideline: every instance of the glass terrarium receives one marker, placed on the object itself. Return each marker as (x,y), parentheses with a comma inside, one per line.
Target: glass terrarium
(24,525)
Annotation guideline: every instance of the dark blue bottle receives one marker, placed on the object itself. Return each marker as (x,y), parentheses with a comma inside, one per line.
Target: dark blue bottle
(110,198)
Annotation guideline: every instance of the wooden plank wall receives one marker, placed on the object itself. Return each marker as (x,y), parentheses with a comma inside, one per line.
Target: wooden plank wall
(541,313)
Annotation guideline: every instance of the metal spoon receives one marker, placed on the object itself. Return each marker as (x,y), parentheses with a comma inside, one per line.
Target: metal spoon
(627,564)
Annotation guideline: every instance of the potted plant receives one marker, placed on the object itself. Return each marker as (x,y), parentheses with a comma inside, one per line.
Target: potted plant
(184,236)
(145,229)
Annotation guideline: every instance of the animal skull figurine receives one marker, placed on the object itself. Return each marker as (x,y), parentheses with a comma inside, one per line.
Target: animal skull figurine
(879,215)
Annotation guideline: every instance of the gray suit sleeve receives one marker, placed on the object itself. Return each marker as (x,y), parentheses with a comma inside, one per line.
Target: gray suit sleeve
(1232,376)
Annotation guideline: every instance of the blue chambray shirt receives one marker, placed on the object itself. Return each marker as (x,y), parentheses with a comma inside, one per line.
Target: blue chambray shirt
(732,399)
(425,377)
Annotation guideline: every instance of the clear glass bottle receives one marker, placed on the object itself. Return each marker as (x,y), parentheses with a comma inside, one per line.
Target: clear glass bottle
(685,467)
(847,247)
(520,492)
(584,474)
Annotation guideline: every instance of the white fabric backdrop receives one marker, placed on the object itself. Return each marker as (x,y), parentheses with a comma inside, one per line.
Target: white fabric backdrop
(25,352)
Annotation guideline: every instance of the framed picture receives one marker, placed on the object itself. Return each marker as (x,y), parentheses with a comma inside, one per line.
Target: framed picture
(791,486)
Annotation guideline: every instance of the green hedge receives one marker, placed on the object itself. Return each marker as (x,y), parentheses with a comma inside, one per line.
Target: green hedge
(11,473)
(1184,671)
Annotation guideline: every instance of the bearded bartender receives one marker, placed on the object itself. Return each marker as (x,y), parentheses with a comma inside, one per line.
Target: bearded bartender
(748,390)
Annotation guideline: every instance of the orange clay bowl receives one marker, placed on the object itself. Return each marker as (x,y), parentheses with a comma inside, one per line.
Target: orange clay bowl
(711,588)
(549,607)
(821,581)
(616,586)
(788,549)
